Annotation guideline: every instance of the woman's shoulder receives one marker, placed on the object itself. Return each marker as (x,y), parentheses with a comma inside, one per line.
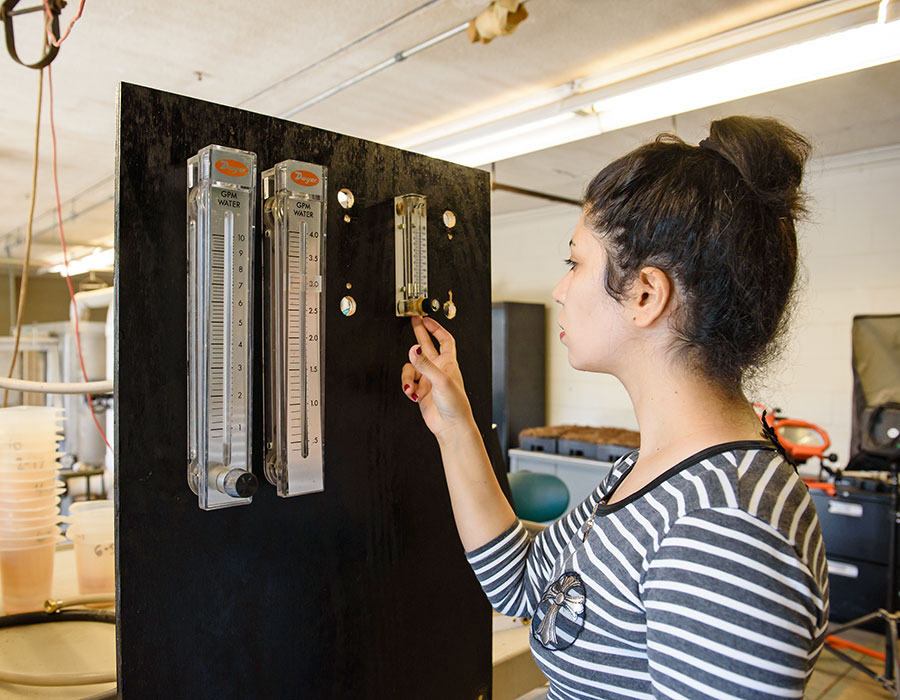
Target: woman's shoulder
(749,475)
(753,479)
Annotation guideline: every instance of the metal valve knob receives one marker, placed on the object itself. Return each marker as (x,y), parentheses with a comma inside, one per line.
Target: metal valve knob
(236,483)
(450,307)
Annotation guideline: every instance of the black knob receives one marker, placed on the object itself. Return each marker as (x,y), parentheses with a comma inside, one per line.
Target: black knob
(240,484)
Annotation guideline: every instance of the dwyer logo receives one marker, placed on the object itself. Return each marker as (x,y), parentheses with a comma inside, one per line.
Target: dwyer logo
(304,178)
(231,168)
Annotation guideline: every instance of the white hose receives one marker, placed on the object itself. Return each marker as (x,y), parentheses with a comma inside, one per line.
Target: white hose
(65,679)
(57,679)
(104,387)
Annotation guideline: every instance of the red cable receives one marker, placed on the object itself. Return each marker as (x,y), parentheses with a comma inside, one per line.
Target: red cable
(52,39)
(838,643)
(62,239)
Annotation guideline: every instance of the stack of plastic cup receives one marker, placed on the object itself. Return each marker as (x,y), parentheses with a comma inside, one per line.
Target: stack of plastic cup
(92,530)
(29,504)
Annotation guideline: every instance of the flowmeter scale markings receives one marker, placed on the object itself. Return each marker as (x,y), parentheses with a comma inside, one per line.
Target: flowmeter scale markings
(410,254)
(221,226)
(294,214)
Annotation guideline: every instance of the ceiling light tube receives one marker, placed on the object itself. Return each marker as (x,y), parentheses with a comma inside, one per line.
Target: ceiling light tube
(99,259)
(496,143)
(826,56)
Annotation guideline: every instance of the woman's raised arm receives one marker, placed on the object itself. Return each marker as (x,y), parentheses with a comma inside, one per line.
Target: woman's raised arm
(432,379)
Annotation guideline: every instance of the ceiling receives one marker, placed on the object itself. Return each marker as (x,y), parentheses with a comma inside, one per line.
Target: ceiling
(270,56)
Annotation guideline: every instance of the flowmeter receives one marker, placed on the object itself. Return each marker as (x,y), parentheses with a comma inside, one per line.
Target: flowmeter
(294,272)
(221,226)
(410,255)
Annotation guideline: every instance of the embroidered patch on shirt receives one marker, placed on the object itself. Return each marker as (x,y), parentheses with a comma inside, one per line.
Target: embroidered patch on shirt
(559,618)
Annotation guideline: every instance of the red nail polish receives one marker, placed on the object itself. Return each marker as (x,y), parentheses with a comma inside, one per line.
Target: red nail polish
(418,351)
(405,387)
(415,397)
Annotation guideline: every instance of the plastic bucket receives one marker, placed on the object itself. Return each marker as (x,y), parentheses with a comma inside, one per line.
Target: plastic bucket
(95,558)
(48,509)
(27,575)
(31,481)
(25,500)
(10,543)
(50,526)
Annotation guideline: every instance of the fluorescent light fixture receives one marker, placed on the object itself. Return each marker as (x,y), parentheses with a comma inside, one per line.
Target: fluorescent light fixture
(824,57)
(99,259)
(540,133)
(606,110)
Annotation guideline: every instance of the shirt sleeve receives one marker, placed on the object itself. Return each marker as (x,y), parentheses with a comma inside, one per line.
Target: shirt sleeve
(732,610)
(515,567)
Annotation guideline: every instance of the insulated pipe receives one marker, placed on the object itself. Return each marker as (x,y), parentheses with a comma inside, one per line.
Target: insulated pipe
(93,299)
(396,58)
(104,387)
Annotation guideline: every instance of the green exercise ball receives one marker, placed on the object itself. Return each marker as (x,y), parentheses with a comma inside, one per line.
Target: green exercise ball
(538,497)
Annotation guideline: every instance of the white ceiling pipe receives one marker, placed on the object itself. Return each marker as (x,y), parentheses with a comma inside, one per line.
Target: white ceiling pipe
(93,299)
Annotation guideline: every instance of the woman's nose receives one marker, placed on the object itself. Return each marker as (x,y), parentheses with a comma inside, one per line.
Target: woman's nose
(559,291)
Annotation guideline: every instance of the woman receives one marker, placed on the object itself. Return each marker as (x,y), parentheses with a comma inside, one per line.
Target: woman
(696,569)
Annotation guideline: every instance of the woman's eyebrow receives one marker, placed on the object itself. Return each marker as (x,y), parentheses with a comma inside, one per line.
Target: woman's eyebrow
(571,242)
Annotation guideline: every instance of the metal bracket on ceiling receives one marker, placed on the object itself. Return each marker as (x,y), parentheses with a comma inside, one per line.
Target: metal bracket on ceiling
(6,15)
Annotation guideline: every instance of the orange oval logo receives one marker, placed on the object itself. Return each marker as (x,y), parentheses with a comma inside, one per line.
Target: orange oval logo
(304,178)
(231,168)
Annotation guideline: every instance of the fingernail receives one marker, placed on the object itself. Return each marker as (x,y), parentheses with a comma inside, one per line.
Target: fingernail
(415,397)
(418,351)
(405,387)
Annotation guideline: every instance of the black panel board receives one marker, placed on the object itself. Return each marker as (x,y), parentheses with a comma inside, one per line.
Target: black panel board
(361,591)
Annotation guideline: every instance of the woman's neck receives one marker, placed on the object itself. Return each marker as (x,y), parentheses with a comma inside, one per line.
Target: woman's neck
(679,414)
(690,410)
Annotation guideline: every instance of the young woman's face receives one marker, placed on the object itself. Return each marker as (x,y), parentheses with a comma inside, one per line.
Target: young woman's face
(593,324)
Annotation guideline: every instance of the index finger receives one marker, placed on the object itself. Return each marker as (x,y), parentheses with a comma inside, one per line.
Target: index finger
(442,335)
(424,338)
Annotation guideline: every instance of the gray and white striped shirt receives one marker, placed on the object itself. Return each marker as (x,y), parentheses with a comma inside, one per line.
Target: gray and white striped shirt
(710,582)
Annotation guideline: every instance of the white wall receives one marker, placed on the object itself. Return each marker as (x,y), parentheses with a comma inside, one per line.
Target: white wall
(851,258)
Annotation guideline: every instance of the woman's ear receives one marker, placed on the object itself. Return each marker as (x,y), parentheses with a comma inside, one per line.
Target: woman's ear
(650,295)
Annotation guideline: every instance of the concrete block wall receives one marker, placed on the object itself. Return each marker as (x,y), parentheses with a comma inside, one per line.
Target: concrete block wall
(850,249)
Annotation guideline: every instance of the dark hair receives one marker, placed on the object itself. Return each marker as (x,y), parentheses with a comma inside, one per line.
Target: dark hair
(718,219)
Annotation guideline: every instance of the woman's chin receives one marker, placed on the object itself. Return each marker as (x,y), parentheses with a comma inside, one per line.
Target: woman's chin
(575,363)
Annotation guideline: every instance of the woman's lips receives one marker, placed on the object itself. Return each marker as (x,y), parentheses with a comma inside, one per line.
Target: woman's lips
(562,334)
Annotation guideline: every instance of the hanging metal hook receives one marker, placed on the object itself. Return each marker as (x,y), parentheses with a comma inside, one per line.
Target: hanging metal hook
(6,15)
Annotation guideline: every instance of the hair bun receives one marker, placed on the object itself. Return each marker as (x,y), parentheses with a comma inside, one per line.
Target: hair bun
(769,155)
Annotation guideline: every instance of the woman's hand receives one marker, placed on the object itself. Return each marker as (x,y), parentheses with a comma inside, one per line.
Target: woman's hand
(433,380)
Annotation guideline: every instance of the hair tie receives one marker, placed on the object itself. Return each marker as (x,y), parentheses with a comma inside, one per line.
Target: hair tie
(770,433)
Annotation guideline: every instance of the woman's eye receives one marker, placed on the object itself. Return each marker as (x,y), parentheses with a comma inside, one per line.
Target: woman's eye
(571,263)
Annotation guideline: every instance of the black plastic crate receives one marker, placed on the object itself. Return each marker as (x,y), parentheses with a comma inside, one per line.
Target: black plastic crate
(578,448)
(610,453)
(538,444)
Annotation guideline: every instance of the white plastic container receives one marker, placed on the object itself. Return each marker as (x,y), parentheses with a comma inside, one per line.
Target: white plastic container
(27,574)
(25,500)
(9,536)
(95,558)
(21,481)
